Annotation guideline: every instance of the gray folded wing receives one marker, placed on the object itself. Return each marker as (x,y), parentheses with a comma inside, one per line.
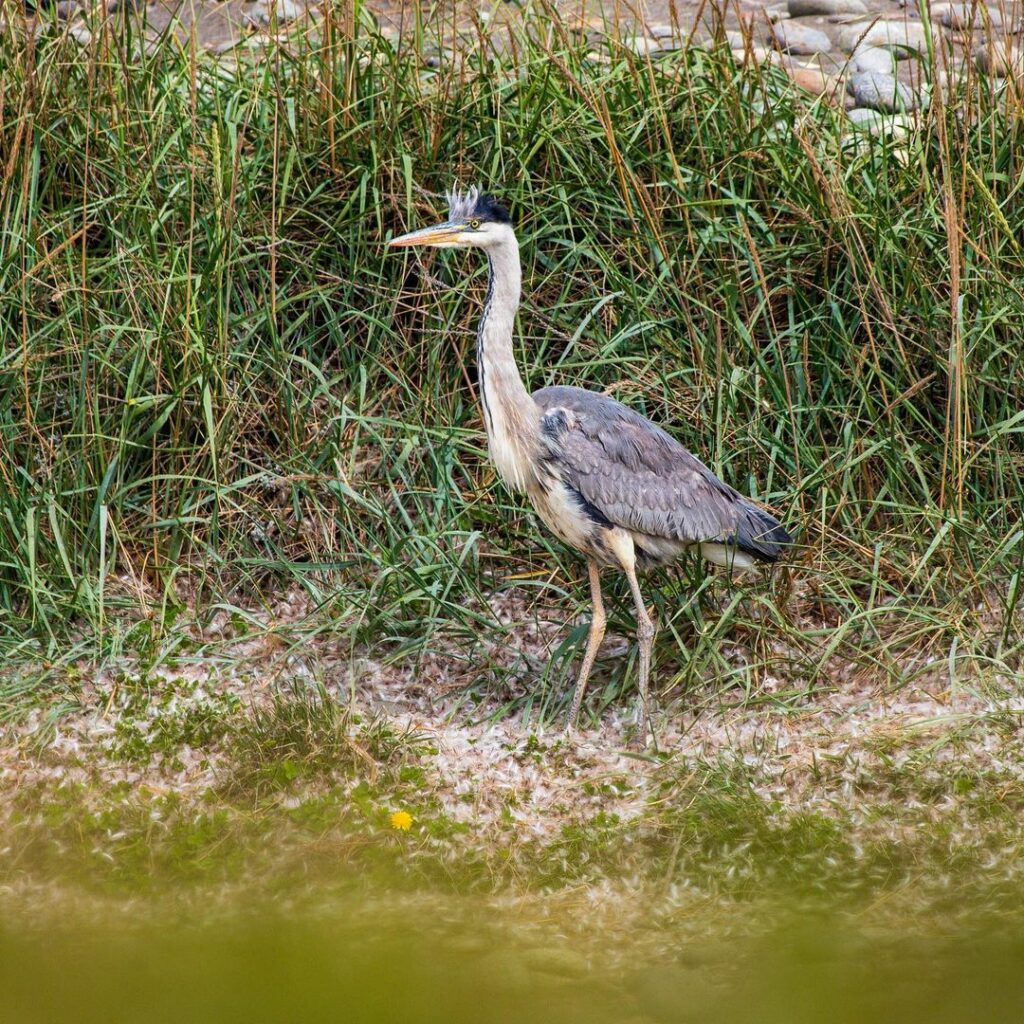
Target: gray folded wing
(640,478)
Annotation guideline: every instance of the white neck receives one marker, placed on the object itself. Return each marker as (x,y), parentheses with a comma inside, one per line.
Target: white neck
(511,416)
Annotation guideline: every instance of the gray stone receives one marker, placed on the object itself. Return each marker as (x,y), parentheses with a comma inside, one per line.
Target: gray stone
(756,54)
(800,39)
(67,9)
(260,16)
(955,76)
(662,31)
(833,63)
(903,37)
(865,116)
(80,33)
(880,92)
(872,58)
(645,47)
(806,8)
(999,60)
(874,122)
(961,16)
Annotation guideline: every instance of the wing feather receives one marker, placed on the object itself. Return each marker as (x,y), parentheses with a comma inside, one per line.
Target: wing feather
(642,479)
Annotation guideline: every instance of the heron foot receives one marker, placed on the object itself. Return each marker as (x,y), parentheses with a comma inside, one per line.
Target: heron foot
(642,735)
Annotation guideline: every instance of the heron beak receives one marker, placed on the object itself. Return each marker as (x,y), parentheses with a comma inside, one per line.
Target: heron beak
(438,235)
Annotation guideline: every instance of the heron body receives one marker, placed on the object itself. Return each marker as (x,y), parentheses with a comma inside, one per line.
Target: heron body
(604,479)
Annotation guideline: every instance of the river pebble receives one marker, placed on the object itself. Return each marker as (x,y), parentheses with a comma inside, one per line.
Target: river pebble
(864,115)
(902,36)
(260,14)
(755,54)
(877,123)
(814,80)
(646,47)
(880,92)
(800,39)
(1000,60)
(961,16)
(806,8)
(872,58)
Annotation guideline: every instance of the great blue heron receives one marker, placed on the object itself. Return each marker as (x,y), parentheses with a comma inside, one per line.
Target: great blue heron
(604,479)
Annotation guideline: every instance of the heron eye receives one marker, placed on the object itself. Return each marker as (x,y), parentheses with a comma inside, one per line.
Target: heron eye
(474,223)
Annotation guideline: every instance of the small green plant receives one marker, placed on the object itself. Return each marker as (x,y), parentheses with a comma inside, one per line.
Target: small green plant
(161,722)
(309,737)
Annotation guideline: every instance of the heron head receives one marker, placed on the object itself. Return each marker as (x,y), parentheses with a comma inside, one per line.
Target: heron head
(474,219)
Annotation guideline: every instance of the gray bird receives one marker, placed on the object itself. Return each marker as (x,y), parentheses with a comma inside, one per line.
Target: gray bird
(602,478)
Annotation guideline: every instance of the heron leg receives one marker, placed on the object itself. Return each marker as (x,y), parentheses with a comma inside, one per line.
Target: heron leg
(594,638)
(645,639)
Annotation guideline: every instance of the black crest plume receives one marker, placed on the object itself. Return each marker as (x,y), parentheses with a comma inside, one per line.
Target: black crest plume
(463,206)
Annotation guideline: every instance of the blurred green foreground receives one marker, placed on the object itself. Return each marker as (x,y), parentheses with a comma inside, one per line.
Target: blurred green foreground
(283,969)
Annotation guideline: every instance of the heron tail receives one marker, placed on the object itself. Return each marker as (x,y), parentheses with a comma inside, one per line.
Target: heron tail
(760,535)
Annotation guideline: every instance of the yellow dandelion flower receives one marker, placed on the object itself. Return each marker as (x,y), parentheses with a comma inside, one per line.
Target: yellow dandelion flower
(401,820)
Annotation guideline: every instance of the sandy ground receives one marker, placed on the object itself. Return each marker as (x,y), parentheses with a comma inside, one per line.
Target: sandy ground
(811,754)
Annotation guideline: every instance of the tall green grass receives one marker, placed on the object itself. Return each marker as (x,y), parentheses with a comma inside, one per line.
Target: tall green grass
(216,384)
